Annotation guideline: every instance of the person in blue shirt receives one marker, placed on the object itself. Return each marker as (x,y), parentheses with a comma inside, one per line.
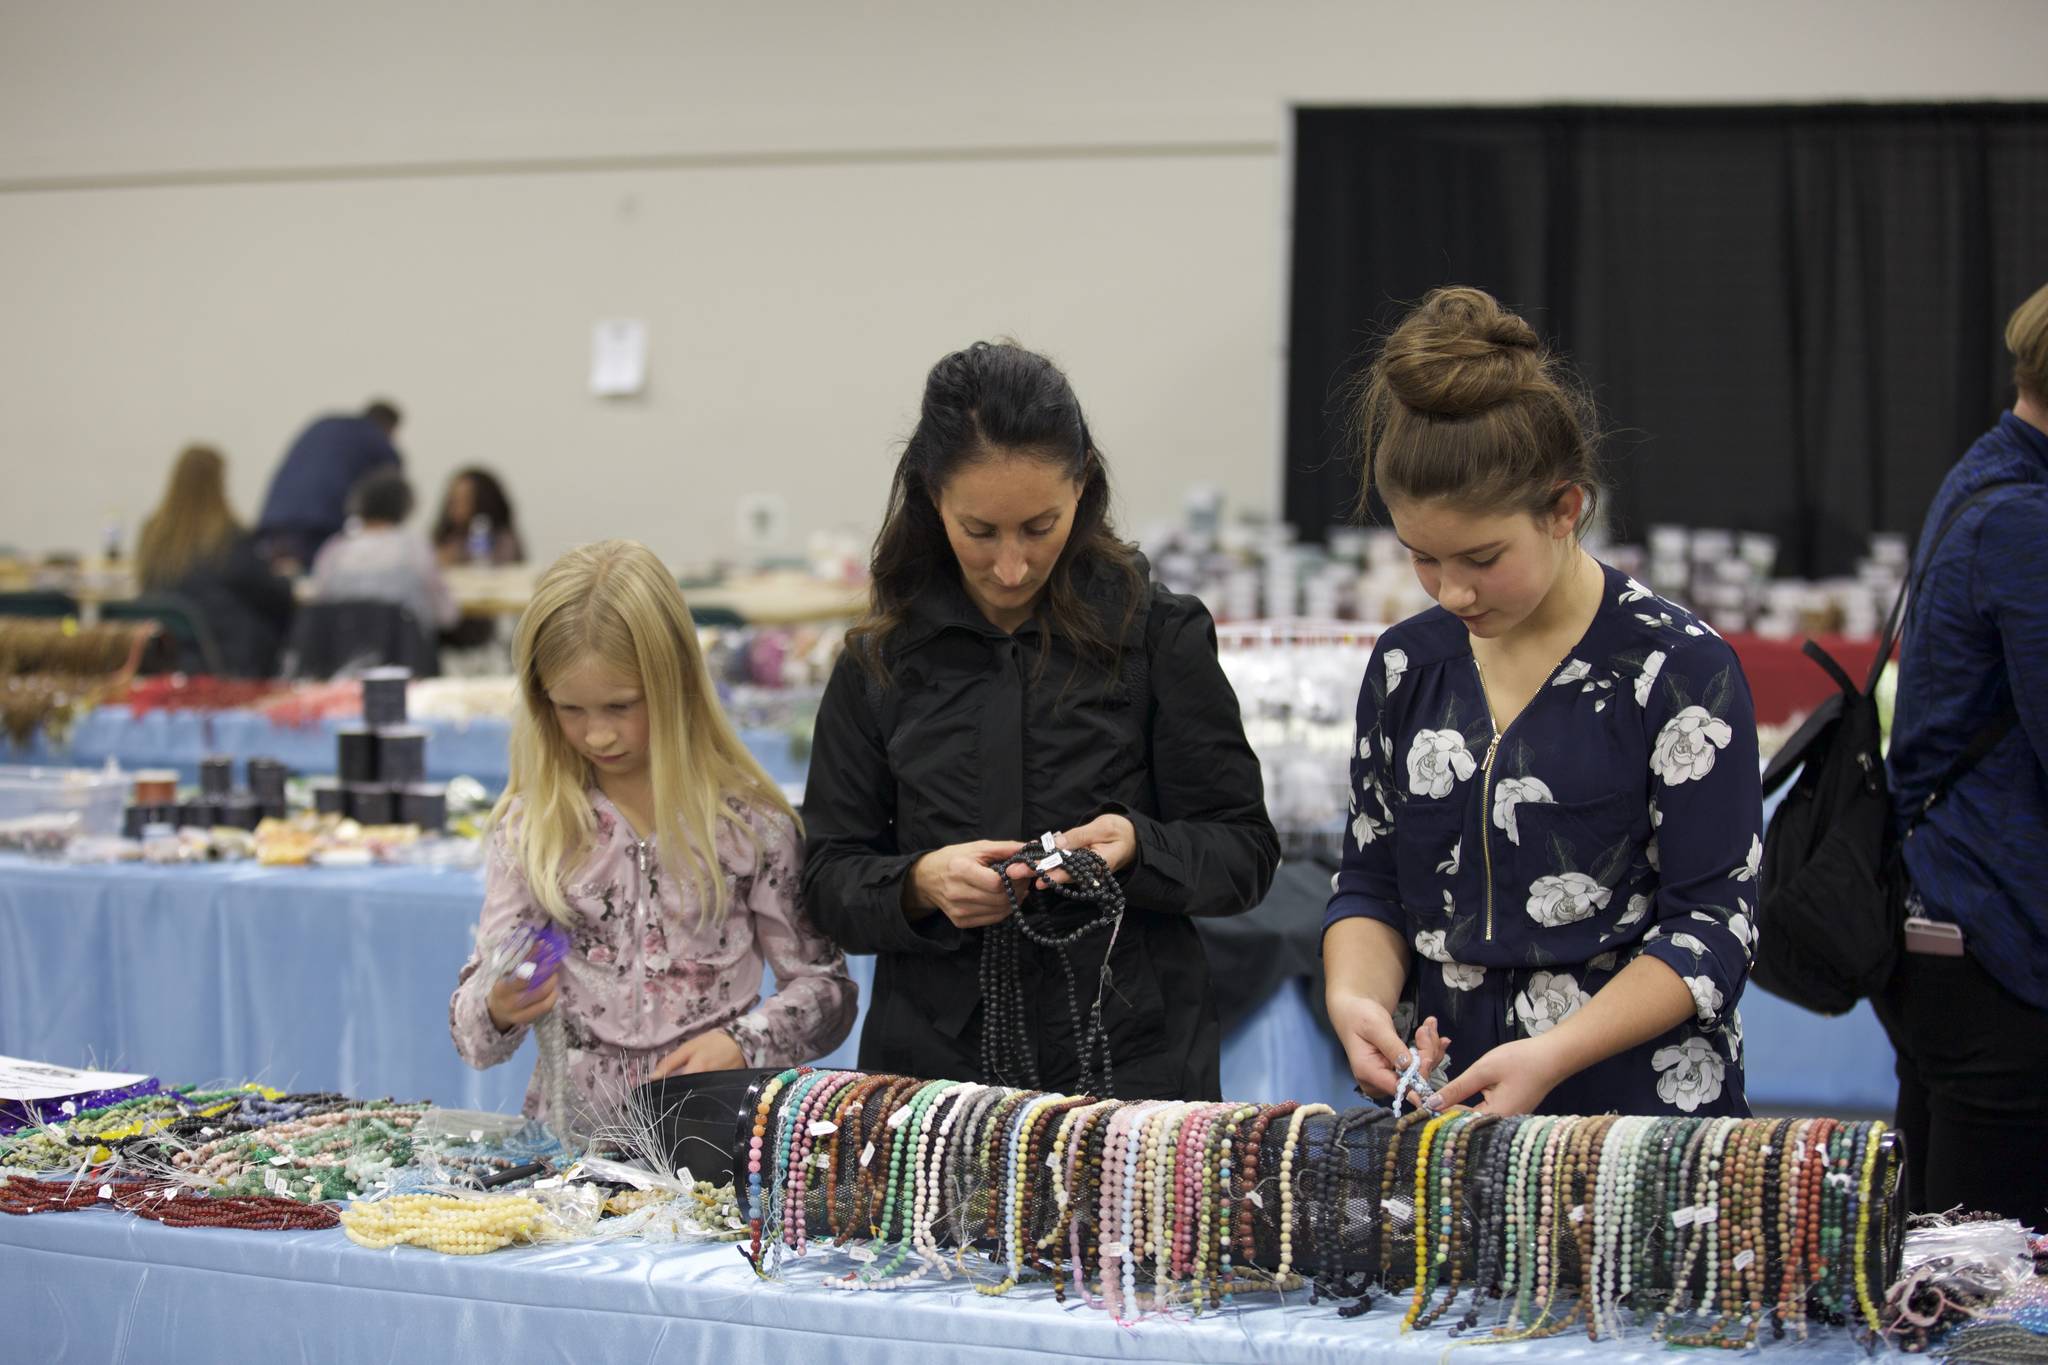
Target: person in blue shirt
(1555,811)
(308,497)
(1972,1031)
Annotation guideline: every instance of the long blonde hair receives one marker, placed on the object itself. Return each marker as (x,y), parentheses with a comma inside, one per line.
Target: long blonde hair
(192,525)
(614,604)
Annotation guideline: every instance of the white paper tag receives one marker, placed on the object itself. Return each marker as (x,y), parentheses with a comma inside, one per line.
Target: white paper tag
(1708,1213)
(1052,1162)
(1048,841)
(1400,1208)
(683,1174)
(820,1127)
(1116,1249)
(1840,1180)
(69,1108)
(821,1161)
(867,1154)
(476,1135)
(1055,861)
(207,1132)
(734,1224)
(106,1191)
(280,1161)
(1255,1199)
(1682,1218)
(1745,1260)
(1578,1213)
(861,1254)
(174,1191)
(900,1117)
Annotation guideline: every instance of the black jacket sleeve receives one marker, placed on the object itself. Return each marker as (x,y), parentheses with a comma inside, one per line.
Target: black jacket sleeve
(1211,849)
(853,870)
(248,577)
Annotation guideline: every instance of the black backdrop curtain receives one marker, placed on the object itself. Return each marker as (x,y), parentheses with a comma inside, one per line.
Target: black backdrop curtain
(1791,317)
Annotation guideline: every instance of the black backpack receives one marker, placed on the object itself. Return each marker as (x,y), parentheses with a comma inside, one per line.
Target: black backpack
(1829,921)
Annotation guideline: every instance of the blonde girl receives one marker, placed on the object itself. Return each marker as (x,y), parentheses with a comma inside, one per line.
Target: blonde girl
(636,821)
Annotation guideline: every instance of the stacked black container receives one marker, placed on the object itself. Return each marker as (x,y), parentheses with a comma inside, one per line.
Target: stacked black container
(219,801)
(383,763)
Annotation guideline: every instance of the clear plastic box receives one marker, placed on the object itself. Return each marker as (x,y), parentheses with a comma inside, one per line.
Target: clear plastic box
(94,795)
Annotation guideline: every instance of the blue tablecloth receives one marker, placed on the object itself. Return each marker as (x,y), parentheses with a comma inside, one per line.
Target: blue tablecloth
(180,739)
(101,1286)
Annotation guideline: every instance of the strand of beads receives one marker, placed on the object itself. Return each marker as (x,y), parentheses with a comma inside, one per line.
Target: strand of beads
(455,1226)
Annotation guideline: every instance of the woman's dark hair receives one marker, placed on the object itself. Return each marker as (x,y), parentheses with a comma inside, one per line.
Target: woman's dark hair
(384,496)
(1465,403)
(488,501)
(996,399)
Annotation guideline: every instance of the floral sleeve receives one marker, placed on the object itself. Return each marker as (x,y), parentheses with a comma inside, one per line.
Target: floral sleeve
(1706,813)
(1366,883)
(508,905)
(814,1003)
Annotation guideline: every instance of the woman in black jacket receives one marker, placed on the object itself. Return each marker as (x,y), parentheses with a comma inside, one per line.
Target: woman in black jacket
(193,547)
(1016,673)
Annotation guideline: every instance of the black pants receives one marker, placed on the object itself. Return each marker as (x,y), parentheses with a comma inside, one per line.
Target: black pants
(1973,1088)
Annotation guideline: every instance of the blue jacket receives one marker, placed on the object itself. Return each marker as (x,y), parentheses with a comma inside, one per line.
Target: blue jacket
(1619,815)
(308,498)
(1977,642)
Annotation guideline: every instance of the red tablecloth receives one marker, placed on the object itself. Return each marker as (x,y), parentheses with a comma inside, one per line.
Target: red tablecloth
(1785,682)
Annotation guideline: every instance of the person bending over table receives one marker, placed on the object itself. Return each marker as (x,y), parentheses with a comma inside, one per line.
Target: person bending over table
(1017,673)
(1555,809)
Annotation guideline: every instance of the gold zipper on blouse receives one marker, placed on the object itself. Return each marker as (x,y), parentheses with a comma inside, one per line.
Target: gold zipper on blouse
(1485,828)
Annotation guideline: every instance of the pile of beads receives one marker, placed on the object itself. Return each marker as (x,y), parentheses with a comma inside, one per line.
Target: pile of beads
(87,1138)
(325,1156)
(162,1203)
(1705,1230)
(456,1226)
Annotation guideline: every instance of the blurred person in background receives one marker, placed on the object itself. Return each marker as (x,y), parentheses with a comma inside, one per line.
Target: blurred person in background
(1971,1024)
(191,545)
(377,558)
(476,521)
(308,497)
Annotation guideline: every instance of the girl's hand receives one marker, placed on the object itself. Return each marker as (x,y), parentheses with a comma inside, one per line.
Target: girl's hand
(713,1051)
(958,882)
(1375,1051)
(1515,1078)
(512,1005)
(1113,838)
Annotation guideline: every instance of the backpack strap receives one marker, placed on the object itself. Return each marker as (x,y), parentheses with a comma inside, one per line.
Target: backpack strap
(1981,744)
(1909,591)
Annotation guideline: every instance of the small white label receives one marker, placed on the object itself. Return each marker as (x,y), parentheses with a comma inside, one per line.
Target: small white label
(821,1161)
(862,1254)
(174,1191)
(683,1174)
(476,1135)
(820,1127)
(1840,1180)
(1400,1208)
(1117,1249)
(1745,1260)
(1052,1163)
(1055,861)
(900,1117)
(1255,1199)
(207,1132)
(867,1154)
(1707,1213)
(734,1224)
(280,1161)
(106,1191)
(69,1108)
(1682,1218)
(1048,841)
(1578,1213)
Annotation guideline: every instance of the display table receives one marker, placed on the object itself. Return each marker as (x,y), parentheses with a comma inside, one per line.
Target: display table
(338,978)
(1784,683)
(180,739)
(99,1286)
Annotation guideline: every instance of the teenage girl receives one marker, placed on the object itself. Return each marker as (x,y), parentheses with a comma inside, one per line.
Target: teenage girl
(637,822)
(1555,810)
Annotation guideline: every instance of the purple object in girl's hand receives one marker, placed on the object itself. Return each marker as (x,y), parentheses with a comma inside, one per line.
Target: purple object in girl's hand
(545,949)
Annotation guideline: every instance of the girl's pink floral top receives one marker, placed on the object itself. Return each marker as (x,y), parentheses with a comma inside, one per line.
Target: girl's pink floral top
(645,973)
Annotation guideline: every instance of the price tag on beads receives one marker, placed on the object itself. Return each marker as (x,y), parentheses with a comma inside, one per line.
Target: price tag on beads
(1745,1260)
(1255,1199)
(900,1117)
(476,1135)
(862,1254)
(821,1127)
(867,1154)
(1578,1213)
(1048,841)
(1707,1213)
(821,1161)
(1400,1208)
(1683,1218)
(1840,1180)
(208,1132)
(106,1191)
(280,1161)
(1116,1249)
(1057,860)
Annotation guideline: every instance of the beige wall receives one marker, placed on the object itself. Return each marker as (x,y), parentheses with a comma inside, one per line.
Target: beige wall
(217,219)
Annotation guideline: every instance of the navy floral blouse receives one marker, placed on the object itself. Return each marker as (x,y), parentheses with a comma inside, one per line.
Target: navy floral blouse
(1619,814)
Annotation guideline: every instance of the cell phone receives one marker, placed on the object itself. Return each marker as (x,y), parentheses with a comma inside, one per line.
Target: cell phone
(1933,938)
